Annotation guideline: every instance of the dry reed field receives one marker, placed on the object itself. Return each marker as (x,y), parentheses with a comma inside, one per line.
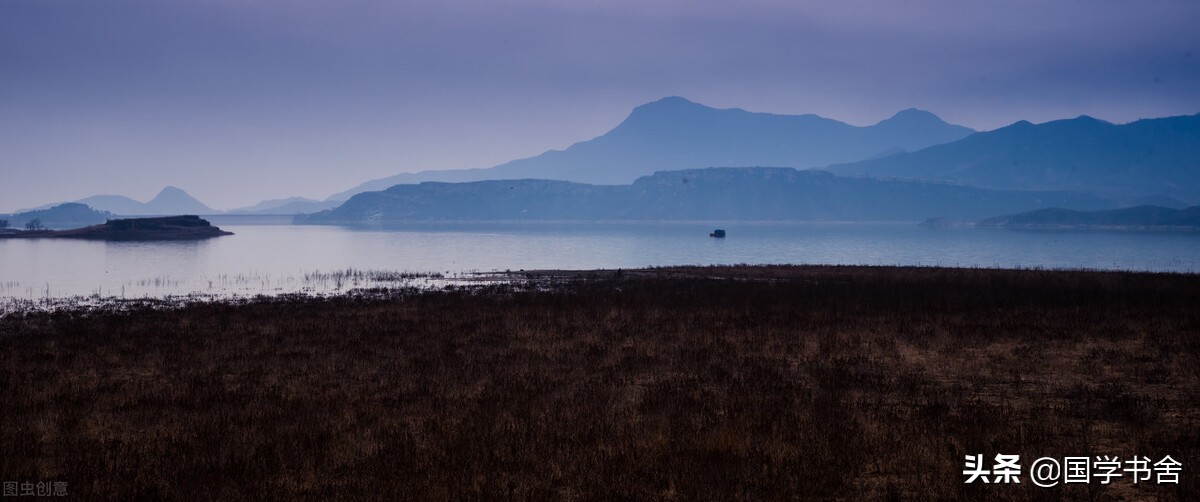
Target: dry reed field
(751,383)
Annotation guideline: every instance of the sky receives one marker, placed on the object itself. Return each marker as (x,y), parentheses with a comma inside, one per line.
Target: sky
(237,101)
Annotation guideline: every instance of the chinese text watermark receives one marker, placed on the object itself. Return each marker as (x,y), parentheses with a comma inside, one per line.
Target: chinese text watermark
(32,489)
(1048,472)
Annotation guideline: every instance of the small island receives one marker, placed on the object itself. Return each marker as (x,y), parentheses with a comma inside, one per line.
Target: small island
(169,228)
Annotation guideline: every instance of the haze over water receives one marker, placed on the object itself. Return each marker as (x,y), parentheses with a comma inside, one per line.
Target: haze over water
(274,259)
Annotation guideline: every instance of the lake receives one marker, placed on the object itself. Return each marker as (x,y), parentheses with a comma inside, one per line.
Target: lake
(273,259)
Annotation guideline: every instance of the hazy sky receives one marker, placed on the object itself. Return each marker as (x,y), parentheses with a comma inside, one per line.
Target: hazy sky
(242,100)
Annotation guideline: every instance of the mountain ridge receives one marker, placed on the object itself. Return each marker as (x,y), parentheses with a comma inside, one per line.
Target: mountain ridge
(758,193)
(170,200)
(676,133)
(1157,157)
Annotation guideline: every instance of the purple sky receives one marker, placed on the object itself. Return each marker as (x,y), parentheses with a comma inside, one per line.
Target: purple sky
(242,100)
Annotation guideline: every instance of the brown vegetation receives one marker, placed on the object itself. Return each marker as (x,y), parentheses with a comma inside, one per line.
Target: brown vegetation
(714,383)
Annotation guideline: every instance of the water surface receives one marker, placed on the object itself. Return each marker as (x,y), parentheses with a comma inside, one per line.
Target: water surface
(272,259)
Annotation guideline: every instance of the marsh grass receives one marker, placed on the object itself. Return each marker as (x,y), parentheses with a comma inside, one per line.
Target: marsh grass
(681,383)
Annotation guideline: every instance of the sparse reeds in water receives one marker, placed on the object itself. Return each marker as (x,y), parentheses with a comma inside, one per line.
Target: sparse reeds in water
(339,280)
(229,286)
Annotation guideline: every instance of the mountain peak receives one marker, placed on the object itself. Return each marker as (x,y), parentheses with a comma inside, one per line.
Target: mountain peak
(170,194)
(673,101)
(173,200)
(677,133)
(913,116)
(669,104)
(666,113)
(1088,119)
(170,191)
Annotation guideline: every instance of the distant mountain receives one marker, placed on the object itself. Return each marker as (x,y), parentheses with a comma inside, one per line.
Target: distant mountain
(169,201)
(1152,159)
(674,133)
(1130,217)
(62,216)
(1158,200)
(290,205)
(172,201)
(116,204)
(696,194)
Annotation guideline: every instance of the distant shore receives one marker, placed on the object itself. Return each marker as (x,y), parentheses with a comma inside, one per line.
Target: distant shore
(944,223)
(772,382)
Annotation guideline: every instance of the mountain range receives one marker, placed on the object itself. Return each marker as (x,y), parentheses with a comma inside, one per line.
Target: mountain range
(696,194)
(169,201)
(1151,160)
(674,133)
(176,201)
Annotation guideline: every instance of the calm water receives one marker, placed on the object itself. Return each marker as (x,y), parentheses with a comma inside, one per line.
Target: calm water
(282,258)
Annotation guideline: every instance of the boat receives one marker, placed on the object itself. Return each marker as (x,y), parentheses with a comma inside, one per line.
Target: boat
(718,233)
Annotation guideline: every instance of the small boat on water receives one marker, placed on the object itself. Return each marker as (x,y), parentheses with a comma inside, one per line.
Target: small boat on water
(718,233)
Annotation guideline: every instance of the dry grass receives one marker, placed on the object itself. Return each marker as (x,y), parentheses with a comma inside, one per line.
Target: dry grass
(719,383)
